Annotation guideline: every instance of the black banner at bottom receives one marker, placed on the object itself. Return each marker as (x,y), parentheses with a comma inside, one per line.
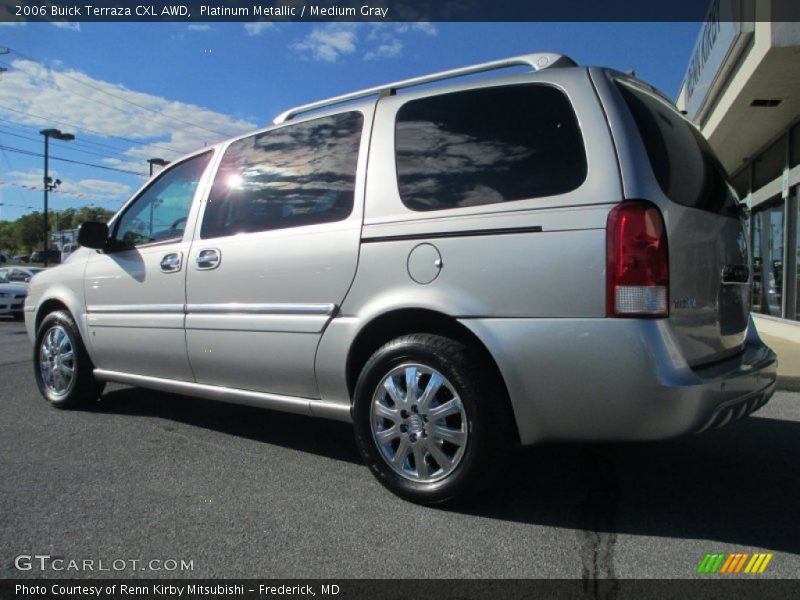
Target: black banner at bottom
(400,589)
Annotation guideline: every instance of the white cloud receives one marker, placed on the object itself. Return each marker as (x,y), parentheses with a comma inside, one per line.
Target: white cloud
(334,41)
(328,42)
(76,98)
(66,25)
(390,49)
(200,27)
(419,27)
(258,27)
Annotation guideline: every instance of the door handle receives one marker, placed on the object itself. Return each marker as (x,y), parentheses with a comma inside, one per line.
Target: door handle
(208,258)
(171,263)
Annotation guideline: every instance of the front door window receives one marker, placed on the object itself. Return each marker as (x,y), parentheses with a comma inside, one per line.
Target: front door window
(159,214)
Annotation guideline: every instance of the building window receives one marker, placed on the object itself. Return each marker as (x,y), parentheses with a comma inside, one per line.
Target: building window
(797,254)
(767,228)
(769,165)
(741,182)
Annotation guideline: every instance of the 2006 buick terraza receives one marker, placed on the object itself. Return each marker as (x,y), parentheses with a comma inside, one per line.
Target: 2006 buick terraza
(456,269)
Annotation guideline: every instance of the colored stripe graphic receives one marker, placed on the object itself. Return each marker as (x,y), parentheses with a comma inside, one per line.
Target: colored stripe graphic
(703,563)
(734,563)
(764,564)
(727,564)
(740,564)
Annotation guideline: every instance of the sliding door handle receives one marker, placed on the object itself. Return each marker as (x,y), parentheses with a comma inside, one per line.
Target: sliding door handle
(207,259)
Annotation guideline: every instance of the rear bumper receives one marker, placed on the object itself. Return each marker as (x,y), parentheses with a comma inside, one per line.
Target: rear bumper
(619,379)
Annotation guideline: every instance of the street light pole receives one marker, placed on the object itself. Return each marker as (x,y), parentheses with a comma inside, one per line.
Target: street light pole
(48,183)
(45,245)
(156,161)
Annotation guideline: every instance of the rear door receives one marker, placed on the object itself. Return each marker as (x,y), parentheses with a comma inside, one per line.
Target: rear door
(708,250)
(275,253)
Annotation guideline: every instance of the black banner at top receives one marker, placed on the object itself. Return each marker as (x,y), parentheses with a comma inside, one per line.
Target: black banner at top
(393,10)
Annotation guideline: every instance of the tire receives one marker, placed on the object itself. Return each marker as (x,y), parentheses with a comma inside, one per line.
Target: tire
(59,348)
(459,453)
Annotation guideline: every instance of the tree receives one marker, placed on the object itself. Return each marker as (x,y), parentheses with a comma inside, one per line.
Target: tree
(26,233)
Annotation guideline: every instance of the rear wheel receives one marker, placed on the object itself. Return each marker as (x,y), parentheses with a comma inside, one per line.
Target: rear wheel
(62,366)
(430,420)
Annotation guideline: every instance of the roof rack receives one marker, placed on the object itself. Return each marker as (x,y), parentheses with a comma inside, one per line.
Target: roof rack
(537,62)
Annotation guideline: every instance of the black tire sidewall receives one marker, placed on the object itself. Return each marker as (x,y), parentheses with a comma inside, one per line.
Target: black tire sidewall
(462,372)
(83,381)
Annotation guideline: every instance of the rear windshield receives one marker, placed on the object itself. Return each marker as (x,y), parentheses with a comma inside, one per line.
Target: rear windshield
(683,162)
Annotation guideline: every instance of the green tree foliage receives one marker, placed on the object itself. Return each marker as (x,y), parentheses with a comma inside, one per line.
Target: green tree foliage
(25,235)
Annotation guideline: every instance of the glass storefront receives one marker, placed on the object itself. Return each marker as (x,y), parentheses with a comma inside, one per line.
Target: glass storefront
(796,315)
(774,227)
(767,244)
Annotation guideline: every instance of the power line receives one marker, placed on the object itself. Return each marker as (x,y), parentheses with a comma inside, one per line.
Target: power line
(111,106)
(68,160)
(56,191)
(10,168)
(120,98)
(113,150)
(100,133)
(60,146)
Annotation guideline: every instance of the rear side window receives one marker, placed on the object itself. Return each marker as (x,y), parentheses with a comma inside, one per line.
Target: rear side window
(300,174)
(487,146)
(684,164)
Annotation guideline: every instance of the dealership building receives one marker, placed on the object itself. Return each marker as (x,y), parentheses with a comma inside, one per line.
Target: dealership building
(742,90)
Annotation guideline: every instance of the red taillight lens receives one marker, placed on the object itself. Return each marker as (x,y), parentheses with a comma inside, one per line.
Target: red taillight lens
(637,261)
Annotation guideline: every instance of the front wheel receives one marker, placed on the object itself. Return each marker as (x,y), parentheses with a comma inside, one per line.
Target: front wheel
(430,420)
(62,366)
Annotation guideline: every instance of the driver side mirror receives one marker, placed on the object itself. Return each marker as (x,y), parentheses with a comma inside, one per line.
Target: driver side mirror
(93,235)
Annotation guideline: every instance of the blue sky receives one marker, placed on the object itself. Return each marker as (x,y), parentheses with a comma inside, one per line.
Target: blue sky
(201,83)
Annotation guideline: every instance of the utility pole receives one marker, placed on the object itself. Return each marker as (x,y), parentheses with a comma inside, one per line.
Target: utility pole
(48,182)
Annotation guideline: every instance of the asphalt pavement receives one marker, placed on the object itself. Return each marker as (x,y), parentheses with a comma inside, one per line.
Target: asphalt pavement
(242,492)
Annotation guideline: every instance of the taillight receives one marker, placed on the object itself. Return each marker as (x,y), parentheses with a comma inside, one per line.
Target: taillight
(637,262)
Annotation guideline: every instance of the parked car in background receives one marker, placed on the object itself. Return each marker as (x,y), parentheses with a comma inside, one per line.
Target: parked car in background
(67,250)
(18,274)
(22,258)
(554,255)
(4,258)
(53,256)
(12,298)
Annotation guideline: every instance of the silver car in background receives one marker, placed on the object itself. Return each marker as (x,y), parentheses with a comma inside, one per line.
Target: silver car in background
(456,269)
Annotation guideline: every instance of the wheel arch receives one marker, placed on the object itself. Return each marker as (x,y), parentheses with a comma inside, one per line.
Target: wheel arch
(48,306)
(61,299)
(395,323)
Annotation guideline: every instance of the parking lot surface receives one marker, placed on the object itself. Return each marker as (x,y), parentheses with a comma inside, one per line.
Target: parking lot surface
(242,492)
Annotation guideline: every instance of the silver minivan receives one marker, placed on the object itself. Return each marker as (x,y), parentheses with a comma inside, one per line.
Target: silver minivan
(456,266)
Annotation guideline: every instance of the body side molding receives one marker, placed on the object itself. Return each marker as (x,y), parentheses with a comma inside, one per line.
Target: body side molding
(302,406)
